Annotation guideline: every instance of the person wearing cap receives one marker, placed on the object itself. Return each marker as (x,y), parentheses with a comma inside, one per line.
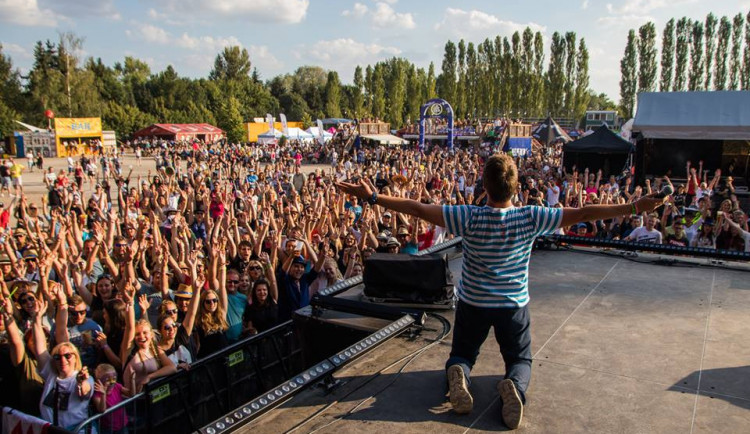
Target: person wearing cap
(382,242)
(392,245)
(408,241)
(294,283)
(705,237)
(386,222)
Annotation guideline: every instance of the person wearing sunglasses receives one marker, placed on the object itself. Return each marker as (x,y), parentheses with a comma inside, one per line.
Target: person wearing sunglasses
(68,388)
(170,330)
(80,330)
(206,319)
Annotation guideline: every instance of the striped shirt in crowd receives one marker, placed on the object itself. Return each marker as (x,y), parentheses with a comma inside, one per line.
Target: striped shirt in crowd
(497,246)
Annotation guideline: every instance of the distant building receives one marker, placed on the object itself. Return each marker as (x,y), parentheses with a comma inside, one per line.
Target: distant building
(595,118)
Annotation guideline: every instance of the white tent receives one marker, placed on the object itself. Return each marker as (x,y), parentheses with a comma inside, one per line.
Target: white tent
(314,131)
(269,137)
(299,134)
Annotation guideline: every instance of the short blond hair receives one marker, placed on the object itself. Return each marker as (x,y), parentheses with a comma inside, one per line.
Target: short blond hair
(73,349)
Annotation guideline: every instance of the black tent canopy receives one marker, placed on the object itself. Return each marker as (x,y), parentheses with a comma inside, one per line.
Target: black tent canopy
(602,149)
(550,132)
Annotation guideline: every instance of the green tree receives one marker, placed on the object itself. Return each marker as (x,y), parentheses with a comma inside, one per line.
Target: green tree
(709,35)
(667,56)
(538,96)
(358,99)
(430,83)
(695,77)
(556,74)
(378,93)
(233,63)
(647,58)
(628,79)
(333,95)
(460,104)
(229,118)
(735,65)
(582,93)
(570,73)
(725,35)
(600,102)
(396,91)
(446,82)
(682,49)
(472,77)
(745,76)
(368,90)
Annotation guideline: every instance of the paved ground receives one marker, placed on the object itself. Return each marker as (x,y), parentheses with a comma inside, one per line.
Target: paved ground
(618,346)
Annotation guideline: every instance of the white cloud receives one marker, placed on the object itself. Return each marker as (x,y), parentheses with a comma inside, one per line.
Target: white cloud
(16,50)
(83,8)
(262,58)
(262,11)
(382,16)
(343,55)
(585,5)
(358,11)
(624,21)
(205,43)
(26,13)
(476,25)
(149,33)
(630,7)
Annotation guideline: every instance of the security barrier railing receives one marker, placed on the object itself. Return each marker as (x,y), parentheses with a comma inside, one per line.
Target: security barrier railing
(213,386)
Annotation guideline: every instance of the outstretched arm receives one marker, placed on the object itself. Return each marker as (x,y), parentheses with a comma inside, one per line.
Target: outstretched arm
(364,191)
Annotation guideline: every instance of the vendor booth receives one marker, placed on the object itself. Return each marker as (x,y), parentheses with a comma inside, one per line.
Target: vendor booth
(76,136)
(177,132)
(270,137)
(602,149)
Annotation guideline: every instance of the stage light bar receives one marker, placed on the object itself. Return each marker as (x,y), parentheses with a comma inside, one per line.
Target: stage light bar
(651,247)
(270,399)
(341,286)
(357,349)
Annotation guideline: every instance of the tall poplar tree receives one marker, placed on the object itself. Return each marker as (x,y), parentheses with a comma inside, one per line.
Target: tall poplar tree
(647,58)
(556,75)
(682,50)
(735,65)
(695,77)
(745,75)
(628,76)
(538,97)
(333,95)
(570,72)
(722,47)
(460,103)
(378,92)
(582,80)
(709,35)
(667,56)
(446,86)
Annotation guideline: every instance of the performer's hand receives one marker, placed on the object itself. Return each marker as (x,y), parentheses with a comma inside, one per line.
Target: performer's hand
(362,190)
(649,203)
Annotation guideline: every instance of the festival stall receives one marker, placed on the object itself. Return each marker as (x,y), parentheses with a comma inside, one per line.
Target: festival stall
(294,133)
(327,136)
(270,137)
(602,149)
(176,132)
(76,136)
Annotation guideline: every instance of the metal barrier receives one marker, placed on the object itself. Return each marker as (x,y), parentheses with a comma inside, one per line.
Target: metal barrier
(213,386)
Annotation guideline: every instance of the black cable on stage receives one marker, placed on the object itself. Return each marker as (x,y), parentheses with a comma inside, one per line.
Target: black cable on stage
(411,356)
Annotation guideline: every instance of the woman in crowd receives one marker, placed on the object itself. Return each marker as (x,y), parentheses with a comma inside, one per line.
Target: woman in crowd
(262,314)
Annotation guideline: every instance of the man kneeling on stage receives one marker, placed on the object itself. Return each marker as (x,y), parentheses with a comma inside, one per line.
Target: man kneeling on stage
(493,289)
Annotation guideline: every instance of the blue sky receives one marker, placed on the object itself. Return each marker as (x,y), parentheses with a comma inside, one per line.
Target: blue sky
(337,34)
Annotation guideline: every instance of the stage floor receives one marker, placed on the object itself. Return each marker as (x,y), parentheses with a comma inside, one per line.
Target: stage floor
(619,347)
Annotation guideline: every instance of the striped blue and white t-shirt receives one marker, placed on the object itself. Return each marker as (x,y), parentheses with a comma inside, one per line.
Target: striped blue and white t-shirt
(497,245)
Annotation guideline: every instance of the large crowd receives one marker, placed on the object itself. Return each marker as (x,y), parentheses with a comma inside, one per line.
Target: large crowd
(112,281)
